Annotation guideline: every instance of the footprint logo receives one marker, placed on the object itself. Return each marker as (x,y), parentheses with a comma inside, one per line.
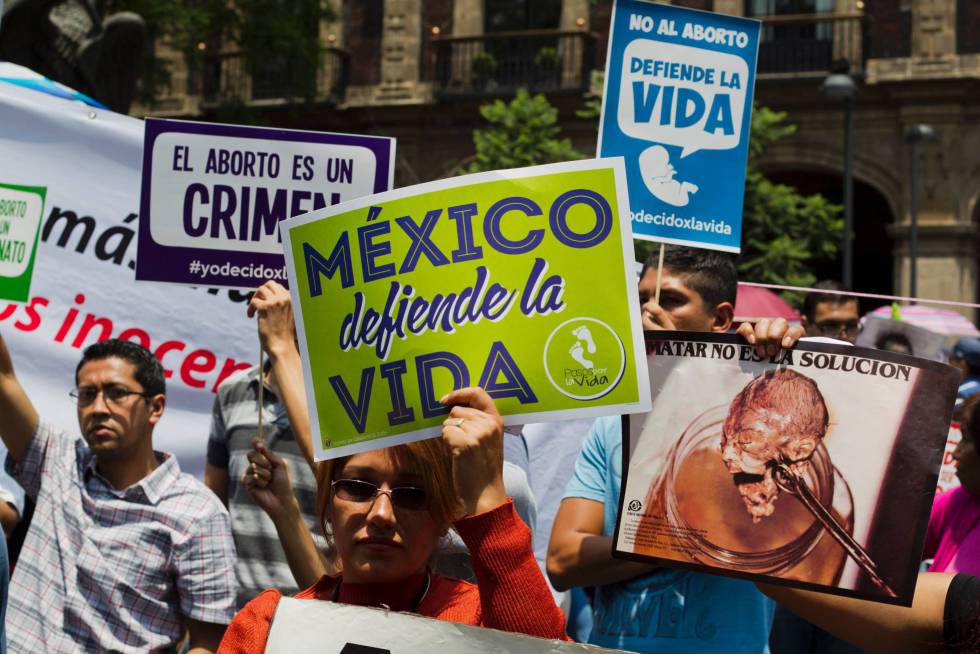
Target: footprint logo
(597,351)
(583,334)
(578,353)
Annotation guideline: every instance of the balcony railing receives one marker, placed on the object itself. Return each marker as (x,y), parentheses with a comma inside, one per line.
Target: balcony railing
(812,43)
(228,78)
(500,63)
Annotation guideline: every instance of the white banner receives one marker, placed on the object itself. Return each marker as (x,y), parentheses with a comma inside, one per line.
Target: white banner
(298,628)
(83,289)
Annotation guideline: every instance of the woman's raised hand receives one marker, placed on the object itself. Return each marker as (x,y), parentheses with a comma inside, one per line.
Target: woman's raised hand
(474,432)
(268,481)
(273,305)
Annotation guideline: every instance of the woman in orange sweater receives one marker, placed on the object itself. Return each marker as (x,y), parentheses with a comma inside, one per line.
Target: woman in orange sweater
(387,510)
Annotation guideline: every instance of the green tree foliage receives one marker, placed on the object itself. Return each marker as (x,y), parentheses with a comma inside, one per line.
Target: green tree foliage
(522,132)
(784,233)
(278,38)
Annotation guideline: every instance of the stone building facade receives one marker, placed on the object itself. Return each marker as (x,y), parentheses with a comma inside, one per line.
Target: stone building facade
(418,70)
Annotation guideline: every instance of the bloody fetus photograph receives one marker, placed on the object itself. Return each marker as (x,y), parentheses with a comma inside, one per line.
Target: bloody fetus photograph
(785,468)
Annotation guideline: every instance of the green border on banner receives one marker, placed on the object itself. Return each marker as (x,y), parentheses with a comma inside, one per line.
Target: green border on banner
(18,289)
(536,267)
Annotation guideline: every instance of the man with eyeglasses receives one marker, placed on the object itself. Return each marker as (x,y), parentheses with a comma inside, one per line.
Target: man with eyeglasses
(829,314)
(125,553)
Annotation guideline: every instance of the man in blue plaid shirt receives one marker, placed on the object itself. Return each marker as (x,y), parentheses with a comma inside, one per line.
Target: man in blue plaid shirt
(125,553)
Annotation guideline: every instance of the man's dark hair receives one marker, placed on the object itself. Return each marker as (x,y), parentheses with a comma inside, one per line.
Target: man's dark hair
(831,297)
(149,372)
(894,338)
(709,272)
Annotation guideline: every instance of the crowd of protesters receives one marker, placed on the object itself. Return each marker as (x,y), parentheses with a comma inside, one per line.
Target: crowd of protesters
(125,553)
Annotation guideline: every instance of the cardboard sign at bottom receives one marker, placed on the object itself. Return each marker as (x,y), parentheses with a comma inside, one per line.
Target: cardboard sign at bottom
(302,626)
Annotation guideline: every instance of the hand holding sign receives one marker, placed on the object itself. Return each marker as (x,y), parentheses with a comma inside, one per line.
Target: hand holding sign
(769,335)
(474,432)
(273,305)
(267,480)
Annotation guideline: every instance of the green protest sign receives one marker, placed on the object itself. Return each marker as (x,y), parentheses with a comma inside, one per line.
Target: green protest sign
(517,281)
(20,221)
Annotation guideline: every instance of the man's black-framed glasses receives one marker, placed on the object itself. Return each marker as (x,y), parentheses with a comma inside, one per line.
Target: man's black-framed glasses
(358,490)
(112,394)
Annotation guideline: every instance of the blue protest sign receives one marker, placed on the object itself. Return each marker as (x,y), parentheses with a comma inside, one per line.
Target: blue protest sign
(213,195)
(678,106)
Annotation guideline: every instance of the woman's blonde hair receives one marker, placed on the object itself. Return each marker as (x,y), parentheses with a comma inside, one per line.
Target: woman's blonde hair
(430,459)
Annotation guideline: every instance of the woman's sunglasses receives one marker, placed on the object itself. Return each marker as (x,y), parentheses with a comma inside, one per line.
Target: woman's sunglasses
(403,497)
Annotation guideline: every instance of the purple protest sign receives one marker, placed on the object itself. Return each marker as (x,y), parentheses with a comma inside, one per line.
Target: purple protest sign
(213,195)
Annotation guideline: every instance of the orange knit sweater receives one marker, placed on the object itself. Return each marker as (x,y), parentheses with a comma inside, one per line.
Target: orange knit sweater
(510,594)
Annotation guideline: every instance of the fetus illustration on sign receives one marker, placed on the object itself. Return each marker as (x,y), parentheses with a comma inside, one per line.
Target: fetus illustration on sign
(658,174)
(583,344)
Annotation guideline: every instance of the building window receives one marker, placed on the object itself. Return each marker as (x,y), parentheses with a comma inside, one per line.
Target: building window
(519,15)
(805,31)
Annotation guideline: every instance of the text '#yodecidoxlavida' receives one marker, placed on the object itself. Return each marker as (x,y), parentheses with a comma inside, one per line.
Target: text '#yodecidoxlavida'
(260,271)
(713,226)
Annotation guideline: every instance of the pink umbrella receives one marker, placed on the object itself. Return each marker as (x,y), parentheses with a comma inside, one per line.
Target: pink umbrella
(754,303)
(941,321)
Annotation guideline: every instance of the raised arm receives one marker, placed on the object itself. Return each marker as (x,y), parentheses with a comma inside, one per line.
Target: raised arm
(878,628)
(578,553)
(18,418)
(513,593)
(277,336)
(268,481)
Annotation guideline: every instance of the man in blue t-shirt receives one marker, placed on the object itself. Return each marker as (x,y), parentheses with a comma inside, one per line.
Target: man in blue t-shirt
(642,607)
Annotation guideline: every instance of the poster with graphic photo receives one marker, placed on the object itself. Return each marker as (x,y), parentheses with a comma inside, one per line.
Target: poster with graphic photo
(518,281)
(815,468)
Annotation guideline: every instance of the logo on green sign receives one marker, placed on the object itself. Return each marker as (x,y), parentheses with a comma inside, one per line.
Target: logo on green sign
(584,358)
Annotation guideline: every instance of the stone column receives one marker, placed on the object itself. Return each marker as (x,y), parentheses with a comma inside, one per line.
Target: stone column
(467,17)
(574,17)
(330,67)
(467,21)
(934,29)
(947,267)
(401,44)
(730,7)
(946,261)
(572,12)
(332,31)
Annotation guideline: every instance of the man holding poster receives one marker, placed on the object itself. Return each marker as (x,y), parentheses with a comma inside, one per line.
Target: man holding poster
(637,606)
